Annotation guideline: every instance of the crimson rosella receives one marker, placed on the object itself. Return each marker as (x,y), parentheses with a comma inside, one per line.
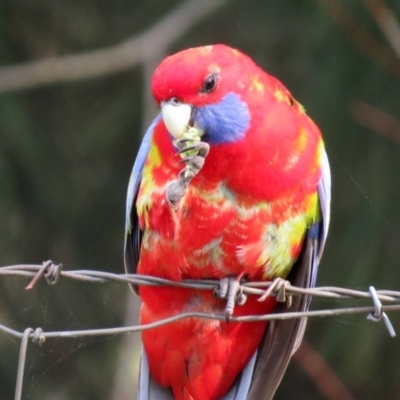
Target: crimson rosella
(231,183)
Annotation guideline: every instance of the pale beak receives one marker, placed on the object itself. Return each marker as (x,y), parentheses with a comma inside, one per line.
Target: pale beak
(176,116)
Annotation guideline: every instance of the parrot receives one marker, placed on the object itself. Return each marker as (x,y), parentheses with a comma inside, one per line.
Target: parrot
(231,183)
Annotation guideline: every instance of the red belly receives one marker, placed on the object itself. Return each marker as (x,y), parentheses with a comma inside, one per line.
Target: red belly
(198,358)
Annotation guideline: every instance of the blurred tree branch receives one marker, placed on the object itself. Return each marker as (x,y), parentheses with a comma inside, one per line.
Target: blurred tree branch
(364,41)
(127,366)
(386,21)
(323,377)
(123,56)
(376,119)
(150,109)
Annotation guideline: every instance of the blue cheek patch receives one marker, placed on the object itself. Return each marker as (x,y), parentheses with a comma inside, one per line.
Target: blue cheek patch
(224,122)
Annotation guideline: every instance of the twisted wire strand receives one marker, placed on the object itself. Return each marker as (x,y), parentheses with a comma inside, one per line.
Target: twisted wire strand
(279,288)
(248,288)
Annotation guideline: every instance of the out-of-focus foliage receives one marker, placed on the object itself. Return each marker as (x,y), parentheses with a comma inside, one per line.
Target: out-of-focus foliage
(66,153)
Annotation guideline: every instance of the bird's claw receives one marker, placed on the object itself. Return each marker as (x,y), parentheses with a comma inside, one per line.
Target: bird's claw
(180,143)
(199,148)
(230,289)
(193,162)
(175,191)
(194,158)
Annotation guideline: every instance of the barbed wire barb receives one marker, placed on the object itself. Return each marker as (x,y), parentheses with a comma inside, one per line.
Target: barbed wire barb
(378,315)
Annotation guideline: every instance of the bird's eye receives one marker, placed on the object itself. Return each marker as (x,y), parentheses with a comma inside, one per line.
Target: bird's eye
(209,84)
(175,101)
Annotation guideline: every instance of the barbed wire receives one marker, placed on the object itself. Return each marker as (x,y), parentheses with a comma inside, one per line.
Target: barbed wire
(280,288)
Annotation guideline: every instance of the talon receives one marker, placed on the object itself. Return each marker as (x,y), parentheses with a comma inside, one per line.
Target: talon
(203,149)
(230,290)
(231,298)
(222,290)
(181,140)
(195,163)
(180,143)
(186,175)
(185,160)
(175,191)
(183,150)
(200,147)
(241,298)
(194,157)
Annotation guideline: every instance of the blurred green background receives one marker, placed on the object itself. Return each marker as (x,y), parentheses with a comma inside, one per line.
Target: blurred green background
(67,146)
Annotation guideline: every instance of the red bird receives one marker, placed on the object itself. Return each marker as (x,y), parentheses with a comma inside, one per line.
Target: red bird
(231,183)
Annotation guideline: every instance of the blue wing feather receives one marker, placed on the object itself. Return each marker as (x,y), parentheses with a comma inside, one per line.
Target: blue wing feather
(132,230)
(148,389)
(241,387)
(321,229)
(324,193)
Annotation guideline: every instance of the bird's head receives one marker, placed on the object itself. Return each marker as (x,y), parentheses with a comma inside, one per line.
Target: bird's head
(253,125)
(204,87)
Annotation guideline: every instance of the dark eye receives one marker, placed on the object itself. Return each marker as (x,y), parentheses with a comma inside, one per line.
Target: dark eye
(209,84)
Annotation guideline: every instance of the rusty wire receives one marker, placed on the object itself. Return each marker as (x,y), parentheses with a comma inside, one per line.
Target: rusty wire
(279,288)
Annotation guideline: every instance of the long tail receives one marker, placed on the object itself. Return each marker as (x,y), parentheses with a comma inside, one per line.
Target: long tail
(149,390)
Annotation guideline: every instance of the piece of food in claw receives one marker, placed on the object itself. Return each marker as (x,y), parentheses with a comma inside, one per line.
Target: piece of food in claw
(192,134)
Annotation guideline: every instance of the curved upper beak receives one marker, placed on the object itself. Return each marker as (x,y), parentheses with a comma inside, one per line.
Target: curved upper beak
(176,116)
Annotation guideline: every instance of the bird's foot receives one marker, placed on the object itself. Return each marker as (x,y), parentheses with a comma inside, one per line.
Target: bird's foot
(175,191)
(194,154)
(230,289)
(187,147)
